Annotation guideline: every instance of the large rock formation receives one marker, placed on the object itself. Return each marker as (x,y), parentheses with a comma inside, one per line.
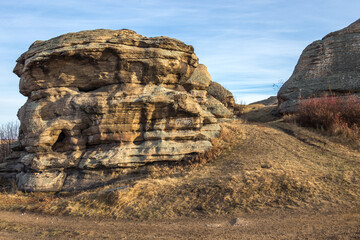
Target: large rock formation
(103,104)
(328,65)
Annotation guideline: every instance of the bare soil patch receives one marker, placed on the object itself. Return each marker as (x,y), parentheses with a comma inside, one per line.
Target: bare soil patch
(275,225)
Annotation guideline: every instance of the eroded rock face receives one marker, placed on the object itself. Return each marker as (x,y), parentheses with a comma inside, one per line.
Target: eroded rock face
(328,65)
(222,94)
(103,104)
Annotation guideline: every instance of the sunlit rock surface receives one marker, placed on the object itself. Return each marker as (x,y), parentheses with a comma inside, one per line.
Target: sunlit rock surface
(103,104)
(327,66)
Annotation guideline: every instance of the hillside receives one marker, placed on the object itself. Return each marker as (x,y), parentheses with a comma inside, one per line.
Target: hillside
(271,167)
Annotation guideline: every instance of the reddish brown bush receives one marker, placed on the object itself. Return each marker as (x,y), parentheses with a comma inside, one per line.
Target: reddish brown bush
(338,115)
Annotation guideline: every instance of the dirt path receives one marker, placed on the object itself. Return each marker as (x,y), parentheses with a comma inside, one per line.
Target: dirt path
(280,225)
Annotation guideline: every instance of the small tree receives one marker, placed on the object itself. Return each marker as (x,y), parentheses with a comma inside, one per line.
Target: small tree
(8,134)
(276,86)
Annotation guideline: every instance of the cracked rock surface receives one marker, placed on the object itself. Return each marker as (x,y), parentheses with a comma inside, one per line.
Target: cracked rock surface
(327,66)
(103,104)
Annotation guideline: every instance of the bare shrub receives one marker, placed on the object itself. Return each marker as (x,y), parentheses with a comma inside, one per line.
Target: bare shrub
(239,108)
(8,134)
(337,115)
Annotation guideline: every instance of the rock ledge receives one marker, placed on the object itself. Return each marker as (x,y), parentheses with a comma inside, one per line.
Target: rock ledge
(103,105)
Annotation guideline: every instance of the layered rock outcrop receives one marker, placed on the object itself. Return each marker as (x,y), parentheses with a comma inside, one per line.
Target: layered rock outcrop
(104,104)
(330,65)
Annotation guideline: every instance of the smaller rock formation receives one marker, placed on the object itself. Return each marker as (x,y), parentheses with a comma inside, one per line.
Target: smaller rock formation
(267,102)
(222,94)
(327,66)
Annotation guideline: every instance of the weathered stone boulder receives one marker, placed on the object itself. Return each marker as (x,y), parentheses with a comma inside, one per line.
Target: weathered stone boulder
(330,65)
(103,105)
(222,94)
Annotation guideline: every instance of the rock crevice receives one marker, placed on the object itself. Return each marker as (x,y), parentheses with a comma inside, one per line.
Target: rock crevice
(104,104)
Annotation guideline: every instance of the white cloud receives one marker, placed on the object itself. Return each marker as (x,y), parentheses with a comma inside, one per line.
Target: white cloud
(246,45)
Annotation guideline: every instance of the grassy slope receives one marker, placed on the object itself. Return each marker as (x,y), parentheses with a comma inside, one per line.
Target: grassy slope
(261,166)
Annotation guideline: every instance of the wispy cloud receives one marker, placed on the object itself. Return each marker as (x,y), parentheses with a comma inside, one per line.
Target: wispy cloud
(246,45)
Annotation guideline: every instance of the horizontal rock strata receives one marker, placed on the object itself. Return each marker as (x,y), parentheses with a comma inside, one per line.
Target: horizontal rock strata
(327,66)
(103,104)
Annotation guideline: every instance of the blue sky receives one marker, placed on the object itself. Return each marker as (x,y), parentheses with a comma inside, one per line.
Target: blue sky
(246,45)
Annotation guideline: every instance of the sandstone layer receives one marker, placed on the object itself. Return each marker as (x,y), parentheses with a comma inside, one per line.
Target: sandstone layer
(103,105)
(327,66)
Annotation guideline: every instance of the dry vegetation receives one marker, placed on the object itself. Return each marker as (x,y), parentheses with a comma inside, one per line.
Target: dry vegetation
(239,108)
(8,134)
(335,115)
(258,113)
(252,167)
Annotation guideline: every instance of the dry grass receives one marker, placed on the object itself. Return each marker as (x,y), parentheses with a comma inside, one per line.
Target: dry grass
(251,168)
(171,197)
(259,113)
(239,109)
